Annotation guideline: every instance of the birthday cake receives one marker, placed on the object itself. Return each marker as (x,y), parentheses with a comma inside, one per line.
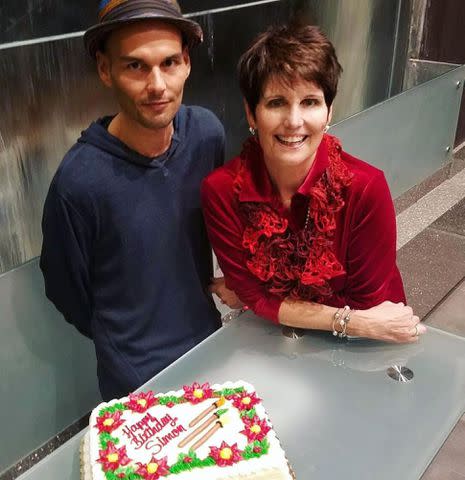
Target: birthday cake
(218,432)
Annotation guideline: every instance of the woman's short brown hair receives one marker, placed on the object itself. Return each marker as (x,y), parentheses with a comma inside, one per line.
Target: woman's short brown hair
(289,53)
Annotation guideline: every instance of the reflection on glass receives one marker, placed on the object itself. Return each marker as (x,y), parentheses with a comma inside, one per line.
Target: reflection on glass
(51,92)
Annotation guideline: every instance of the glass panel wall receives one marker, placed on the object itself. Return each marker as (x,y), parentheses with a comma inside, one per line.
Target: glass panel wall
(50,90)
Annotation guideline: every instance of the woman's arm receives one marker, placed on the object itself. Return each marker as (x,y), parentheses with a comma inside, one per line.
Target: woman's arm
(374,286)
(372,273)
(225,234)
(226,296)
(386,321)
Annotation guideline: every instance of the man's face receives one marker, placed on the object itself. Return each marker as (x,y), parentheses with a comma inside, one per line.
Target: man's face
(146,66)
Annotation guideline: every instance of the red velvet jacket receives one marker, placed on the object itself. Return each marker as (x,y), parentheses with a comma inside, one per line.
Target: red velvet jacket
(363,240)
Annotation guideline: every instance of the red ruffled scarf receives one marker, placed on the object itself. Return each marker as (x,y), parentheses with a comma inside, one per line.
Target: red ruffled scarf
(298,264)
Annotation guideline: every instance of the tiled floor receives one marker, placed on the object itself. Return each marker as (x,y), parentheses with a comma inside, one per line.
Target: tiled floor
(449,463)
(433,269)
(433,262)
(429,208)
(453,221)
(449,315)
(418,191)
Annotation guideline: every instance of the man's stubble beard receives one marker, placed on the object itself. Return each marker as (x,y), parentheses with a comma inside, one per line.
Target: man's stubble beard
(155,123)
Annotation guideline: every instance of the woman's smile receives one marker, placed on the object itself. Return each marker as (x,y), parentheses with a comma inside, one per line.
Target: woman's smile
(294,141)
(290,120)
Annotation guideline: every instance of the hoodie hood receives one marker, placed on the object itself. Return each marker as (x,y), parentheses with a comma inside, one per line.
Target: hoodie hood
(98,136)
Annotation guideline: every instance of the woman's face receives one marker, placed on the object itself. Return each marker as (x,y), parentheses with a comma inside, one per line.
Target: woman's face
(290,122)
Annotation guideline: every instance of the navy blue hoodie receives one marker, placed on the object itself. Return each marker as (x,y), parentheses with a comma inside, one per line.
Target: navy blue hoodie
(125,255)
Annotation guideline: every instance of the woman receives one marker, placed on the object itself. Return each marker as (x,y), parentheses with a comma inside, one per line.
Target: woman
(305,233)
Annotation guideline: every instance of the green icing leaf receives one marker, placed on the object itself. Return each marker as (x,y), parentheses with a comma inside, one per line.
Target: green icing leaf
(182,466)
(249,453)
(170,399)
(128,473)
(248,413)
(132,476)
(112,409)
(227,392)
(183,455)
(220,412)
(106,437)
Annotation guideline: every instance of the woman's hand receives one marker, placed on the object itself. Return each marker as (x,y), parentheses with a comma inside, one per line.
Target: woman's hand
(226,296)
(390,322)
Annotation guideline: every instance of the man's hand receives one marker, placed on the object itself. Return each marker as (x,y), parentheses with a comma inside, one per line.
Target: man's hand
(226,296)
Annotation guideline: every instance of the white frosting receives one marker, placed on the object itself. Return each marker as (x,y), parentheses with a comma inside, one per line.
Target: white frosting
(177,419)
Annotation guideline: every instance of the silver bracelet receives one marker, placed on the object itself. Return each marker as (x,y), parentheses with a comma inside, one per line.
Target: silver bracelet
(336,317)
(339,318)
(344,321)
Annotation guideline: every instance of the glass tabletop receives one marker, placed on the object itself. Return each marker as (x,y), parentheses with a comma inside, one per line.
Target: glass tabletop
(335,409)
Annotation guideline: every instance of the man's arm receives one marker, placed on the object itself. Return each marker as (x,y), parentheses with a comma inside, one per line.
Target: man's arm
(65,261)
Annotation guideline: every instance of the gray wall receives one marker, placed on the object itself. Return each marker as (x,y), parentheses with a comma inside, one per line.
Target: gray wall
(48,370)
(50,91)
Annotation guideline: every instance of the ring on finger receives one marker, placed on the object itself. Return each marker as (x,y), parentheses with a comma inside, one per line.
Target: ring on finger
(416,333)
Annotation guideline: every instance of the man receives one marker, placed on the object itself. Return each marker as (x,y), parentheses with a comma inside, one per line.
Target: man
(125,255)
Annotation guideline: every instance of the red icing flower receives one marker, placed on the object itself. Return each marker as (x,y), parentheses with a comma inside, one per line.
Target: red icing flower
(245,400)
(255,429)
(197,393)
(257,450)
(226,455)
(170,404)
(109,422)
(140,402)
(154,469)
(187,460)
(112,458)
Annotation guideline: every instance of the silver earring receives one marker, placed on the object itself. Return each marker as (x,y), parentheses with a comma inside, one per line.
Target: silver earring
(325,130)
(252,131)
